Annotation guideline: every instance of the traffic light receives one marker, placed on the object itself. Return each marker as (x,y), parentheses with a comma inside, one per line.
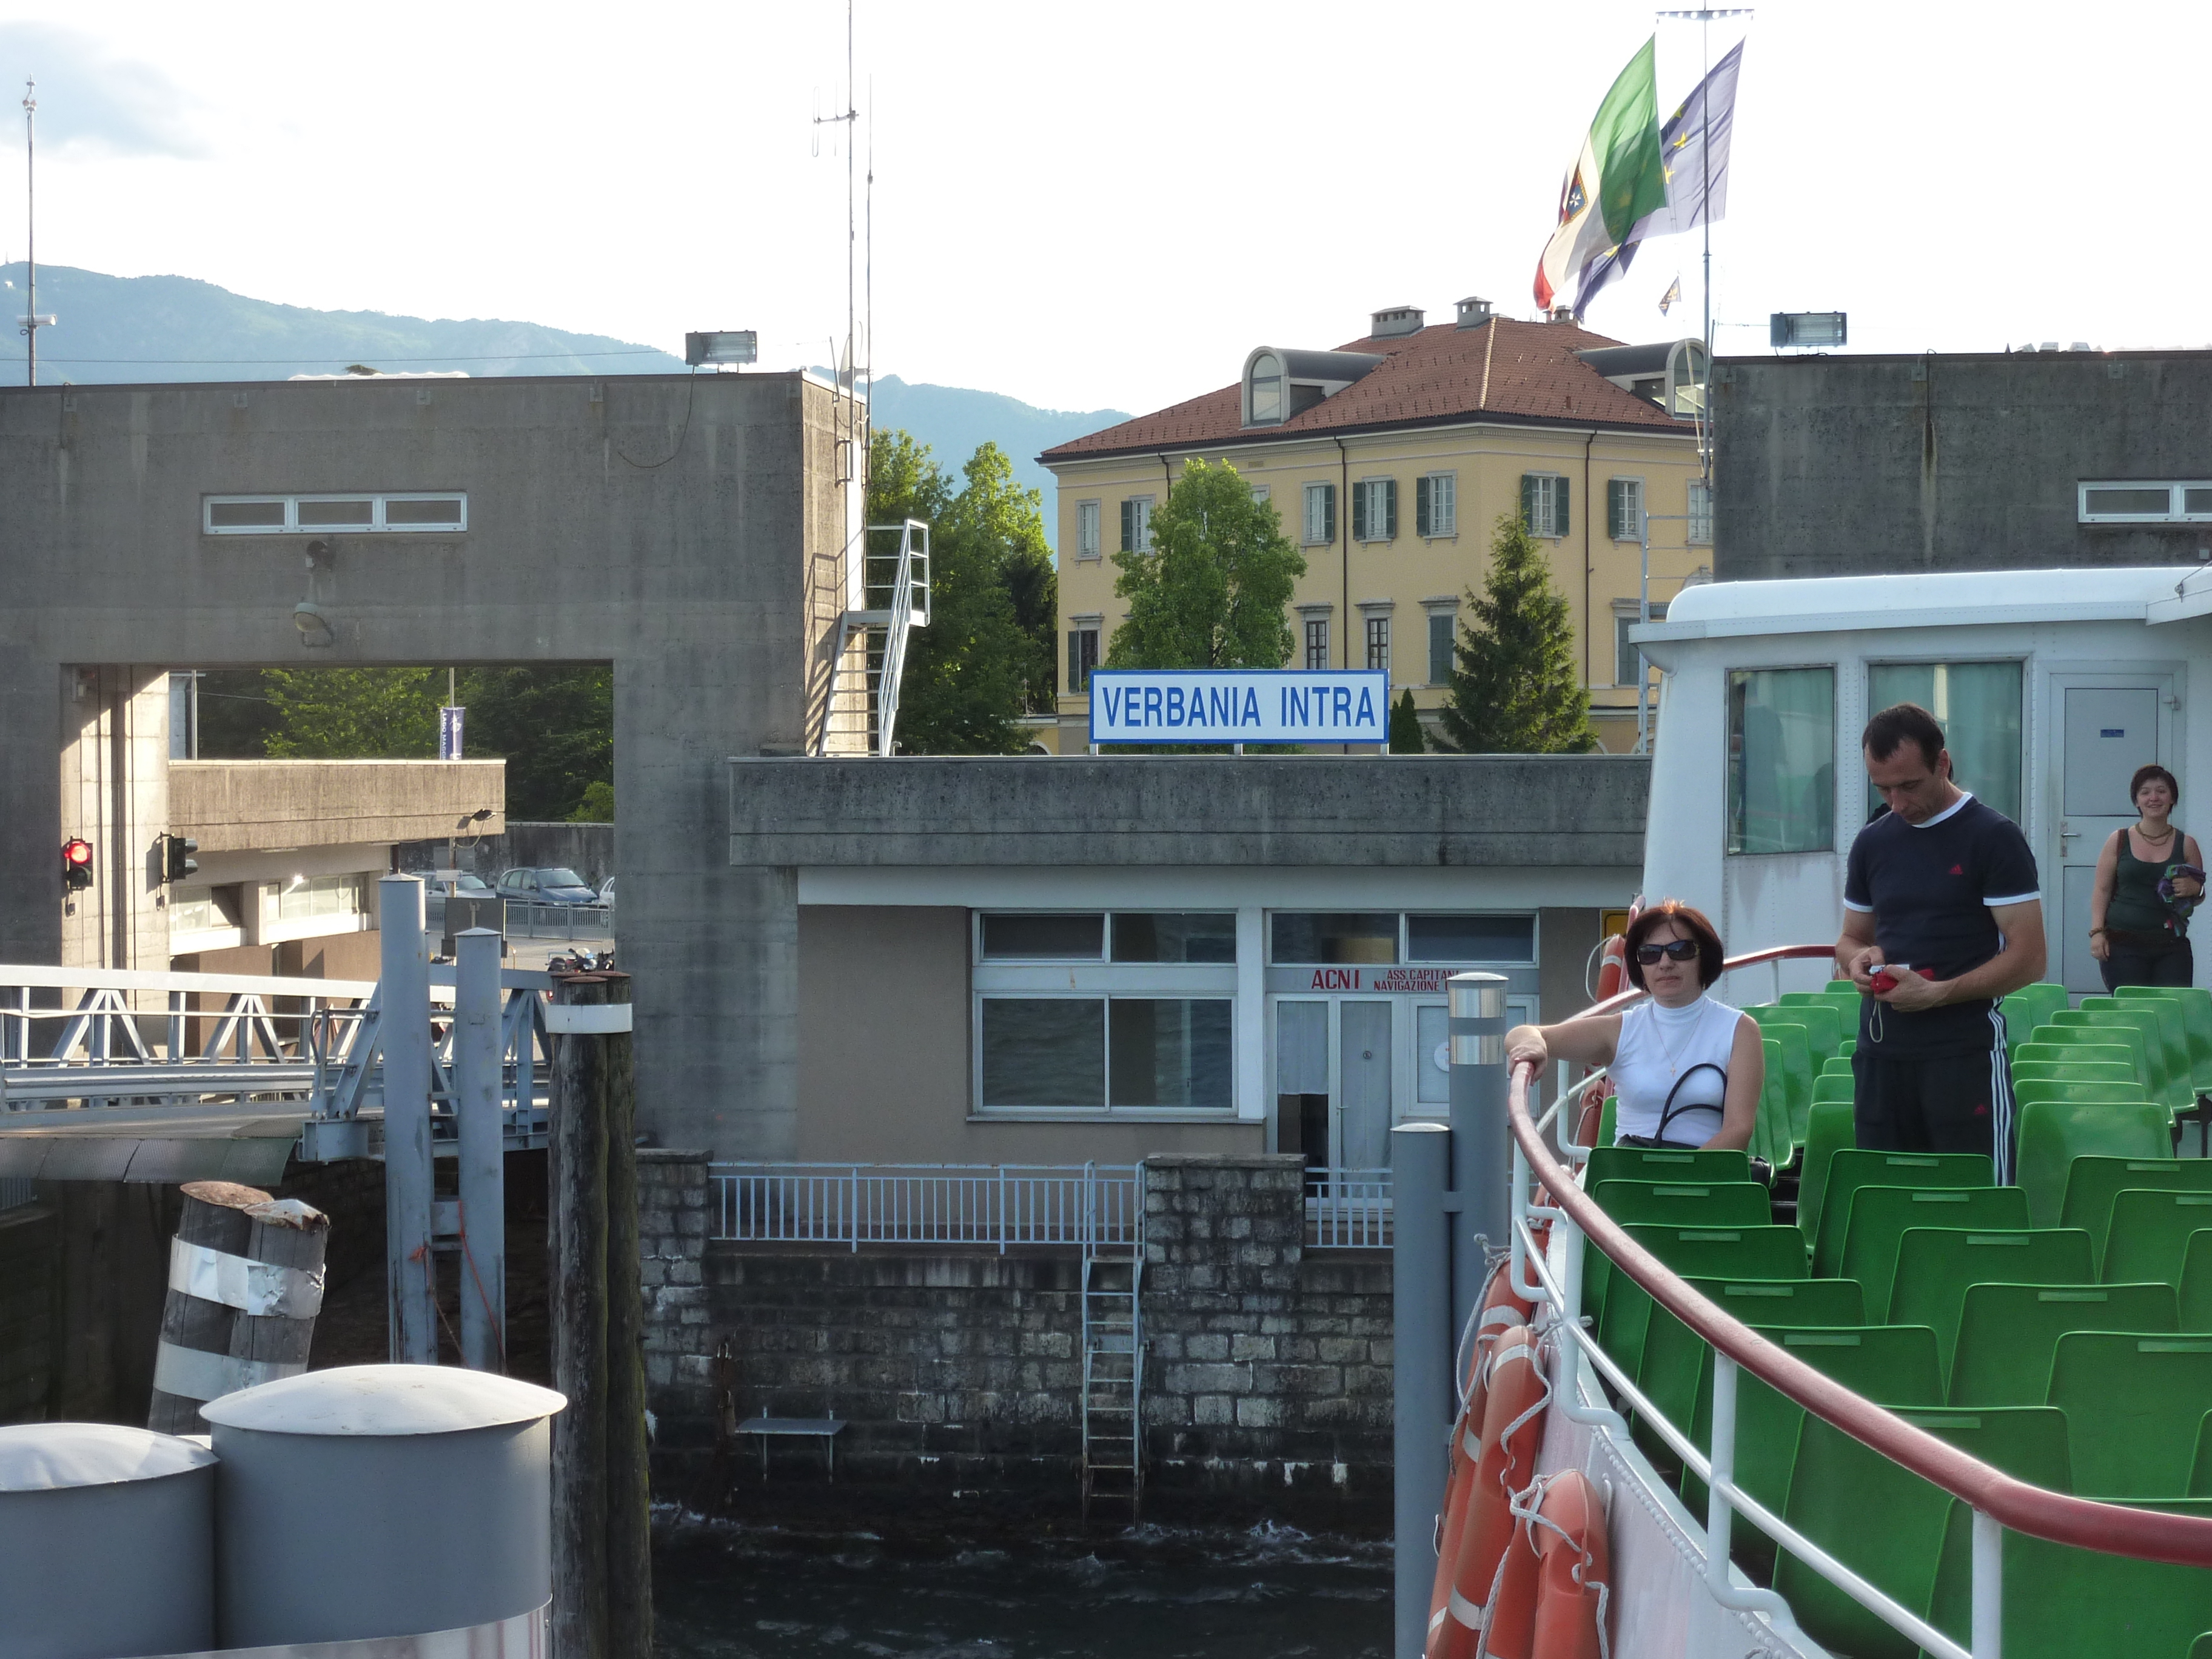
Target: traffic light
(76,863)
(178,861)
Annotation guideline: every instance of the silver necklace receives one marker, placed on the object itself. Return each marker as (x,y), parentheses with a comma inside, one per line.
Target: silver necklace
(1673,1064)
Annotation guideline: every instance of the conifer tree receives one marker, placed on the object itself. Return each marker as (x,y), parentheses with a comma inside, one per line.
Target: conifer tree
(1514,687)
(1405,737)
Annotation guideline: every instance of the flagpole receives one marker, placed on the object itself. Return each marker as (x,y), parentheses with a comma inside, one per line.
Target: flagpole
(1703,17)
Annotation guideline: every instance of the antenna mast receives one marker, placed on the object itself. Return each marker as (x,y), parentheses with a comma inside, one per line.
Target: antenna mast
(848,374)
(32,320)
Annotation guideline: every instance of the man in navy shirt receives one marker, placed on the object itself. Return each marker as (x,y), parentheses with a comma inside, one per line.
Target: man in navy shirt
(1940,896)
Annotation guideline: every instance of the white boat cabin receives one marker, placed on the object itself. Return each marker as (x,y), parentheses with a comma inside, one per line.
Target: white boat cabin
(2053,687)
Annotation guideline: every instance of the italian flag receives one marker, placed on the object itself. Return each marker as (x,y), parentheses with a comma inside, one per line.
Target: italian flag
(1616,180)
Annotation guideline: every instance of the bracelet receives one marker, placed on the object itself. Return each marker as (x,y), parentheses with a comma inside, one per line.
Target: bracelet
(2094,931)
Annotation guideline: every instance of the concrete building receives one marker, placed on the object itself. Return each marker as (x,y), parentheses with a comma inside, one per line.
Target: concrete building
(1029,962)
(1863,465)
(688,529)
(1389,460)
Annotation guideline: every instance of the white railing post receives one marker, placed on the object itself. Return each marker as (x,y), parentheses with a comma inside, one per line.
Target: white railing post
(853,1207)
(1988,1635)
(1719,1512)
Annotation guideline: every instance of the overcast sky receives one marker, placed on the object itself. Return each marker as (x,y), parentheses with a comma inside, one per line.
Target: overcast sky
(1109,206)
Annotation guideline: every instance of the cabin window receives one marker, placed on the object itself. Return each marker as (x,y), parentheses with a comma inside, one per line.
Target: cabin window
(1978,705)
(1782,760)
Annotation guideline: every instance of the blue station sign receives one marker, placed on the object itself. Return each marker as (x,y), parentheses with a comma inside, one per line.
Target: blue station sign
(1238,705)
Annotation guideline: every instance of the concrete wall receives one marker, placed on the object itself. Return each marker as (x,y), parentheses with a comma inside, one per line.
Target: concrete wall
(958,1371)
(30,1250)
(1849,466)
(240,805)
(885,1070)
(114,743)
(687,529)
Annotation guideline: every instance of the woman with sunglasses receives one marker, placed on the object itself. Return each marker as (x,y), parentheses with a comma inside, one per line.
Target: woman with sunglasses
(1687,1070)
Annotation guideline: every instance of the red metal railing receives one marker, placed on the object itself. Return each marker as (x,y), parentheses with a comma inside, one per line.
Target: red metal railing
(2112,1528)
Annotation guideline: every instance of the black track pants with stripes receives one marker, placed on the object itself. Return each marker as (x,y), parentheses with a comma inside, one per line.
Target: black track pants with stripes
(1955,1102)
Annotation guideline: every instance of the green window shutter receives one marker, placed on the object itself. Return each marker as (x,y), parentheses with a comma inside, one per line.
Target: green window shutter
(1616,511)
(1422,518)
(1359,512)
(1128,526)
(1559,510)
(1389,509)
(1329,511)
(1529,501)
(1440,647)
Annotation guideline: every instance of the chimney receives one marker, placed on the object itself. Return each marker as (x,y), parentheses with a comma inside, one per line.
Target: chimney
(1394,321)
(1473,312)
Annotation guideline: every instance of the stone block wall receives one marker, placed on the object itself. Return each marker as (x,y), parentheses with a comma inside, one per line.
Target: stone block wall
(958,1371)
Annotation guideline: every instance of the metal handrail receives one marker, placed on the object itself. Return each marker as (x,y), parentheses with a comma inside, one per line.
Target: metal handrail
(2056,1517)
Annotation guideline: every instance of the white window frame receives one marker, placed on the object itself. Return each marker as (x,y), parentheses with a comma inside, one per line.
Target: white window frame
(1370,623)
(2177,511)
(1259,492)
(1699,514)
(1441,525)
(1308,623)
(1141,522)
(1614,531)
(1315,495)
(1088,515)
(377,524)
(1544,511)
(1377,492)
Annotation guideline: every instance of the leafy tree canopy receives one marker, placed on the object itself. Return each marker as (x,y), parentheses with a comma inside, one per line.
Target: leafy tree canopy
(1212,590)
(1514,687)
(352,713)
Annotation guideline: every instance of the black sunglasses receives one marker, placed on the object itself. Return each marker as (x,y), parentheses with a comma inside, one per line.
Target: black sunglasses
(1682,949)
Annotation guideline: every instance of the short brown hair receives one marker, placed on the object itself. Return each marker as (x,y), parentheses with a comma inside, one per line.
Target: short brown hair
(1692,922)
(1902,723)
(2152,772)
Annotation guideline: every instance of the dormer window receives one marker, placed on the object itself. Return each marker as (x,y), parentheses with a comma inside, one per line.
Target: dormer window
(1264,395)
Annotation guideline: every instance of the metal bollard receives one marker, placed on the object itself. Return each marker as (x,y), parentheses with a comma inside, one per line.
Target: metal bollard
(1422,1382)
(1481,1141)
(477,1066)
(403,1034)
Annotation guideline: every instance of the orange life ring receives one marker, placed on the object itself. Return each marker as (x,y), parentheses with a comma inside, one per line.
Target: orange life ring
(1574,1567)
(1512,1432)
(1613,967)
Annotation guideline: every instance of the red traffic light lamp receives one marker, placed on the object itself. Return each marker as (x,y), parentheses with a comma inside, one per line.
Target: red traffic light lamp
(76,863)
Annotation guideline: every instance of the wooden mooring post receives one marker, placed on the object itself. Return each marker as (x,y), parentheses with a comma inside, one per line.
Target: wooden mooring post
(602,1517)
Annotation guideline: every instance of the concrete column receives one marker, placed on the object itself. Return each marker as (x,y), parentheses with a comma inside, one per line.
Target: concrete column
(1421,1347)
(404,1029)
(476,1067)
(1481,1145)
(1252,1072)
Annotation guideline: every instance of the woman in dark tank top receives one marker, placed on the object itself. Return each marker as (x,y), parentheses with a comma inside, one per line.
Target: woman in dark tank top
(2149,877)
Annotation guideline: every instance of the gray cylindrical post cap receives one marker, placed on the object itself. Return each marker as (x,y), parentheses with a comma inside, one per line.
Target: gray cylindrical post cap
(50,1456)
(1477,995)
(384,1400)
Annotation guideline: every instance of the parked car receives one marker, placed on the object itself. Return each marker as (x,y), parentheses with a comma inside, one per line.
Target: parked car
(607,891)
(464,885)
(548,885)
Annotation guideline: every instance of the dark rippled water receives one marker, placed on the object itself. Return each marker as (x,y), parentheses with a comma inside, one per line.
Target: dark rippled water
(727,1592)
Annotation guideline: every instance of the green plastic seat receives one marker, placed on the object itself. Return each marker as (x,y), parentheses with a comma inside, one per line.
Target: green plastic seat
(2200,1466)
(2150,1233)
(1850,1168)
(1665,1163)
(2094,1182)
(1889,1364)
(2053,1134)
(1822,1021)
(1881,1215)
(1836,1065)
(1850,1047)
(2196,1284)
(2071,1025)
(2172,1035)
(1782,1025)
(2114,1016)
(2196,1024)
(1830,1088)
(2008,1333)
(1936,1265)
(2133,1405)
(2025,1091)
(1831,1125)
(1622,1321)
(1837,1483)
(2033,1052)
(2074,1071)
(2060,1603)
(1673,1353)
(1769,1131)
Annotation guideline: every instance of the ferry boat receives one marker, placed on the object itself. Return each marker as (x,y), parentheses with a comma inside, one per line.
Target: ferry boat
(1886,1407)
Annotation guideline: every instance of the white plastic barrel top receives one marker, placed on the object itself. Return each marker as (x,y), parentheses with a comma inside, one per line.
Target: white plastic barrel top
(106,1543)
(380,1500)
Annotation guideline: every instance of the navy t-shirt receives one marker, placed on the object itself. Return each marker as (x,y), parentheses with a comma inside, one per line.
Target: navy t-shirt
(1929,886)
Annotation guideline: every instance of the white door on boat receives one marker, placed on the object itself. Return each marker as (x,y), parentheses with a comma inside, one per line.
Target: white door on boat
(2109,725)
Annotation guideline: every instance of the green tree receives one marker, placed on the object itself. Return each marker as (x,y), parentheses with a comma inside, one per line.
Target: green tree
(1405,737)
(998,523)
(554,726)
(352,713)
(597,805)
(1514,689)
(1212,589)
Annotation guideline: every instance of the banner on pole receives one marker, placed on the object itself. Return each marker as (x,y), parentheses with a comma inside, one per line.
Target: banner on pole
(449,733)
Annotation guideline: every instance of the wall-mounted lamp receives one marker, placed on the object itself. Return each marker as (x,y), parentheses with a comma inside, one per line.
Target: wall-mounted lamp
(313,623)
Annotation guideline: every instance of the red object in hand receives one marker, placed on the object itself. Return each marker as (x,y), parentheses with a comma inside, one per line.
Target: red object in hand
(1883,980)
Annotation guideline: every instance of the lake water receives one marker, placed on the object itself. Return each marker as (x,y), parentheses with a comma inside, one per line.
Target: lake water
(729,1592)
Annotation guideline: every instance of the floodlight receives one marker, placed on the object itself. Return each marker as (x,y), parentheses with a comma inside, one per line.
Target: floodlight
(1808,329)
(729,346)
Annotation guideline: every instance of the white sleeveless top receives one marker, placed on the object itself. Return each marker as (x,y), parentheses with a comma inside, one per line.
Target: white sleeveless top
(1658,1047)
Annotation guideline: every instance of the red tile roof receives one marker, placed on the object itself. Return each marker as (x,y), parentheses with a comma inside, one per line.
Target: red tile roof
(1431,378)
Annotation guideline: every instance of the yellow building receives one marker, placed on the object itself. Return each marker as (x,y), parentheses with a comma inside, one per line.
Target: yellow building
(1388,461)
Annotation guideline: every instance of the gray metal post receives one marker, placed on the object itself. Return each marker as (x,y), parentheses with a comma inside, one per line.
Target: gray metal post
(1481,1145)
(476,1061)
(405,1027)
(1422,1334)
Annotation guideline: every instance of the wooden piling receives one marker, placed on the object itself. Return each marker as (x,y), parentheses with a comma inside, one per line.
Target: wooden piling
(602,1567)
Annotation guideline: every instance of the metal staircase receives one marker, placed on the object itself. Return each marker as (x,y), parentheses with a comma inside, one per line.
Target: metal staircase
(859,715)
(1113,1366)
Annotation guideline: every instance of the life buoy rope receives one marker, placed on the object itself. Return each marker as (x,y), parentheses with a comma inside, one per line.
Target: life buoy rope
(1520,1390)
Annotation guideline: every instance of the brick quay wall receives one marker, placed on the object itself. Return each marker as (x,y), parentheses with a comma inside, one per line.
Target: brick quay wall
(958,1371)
